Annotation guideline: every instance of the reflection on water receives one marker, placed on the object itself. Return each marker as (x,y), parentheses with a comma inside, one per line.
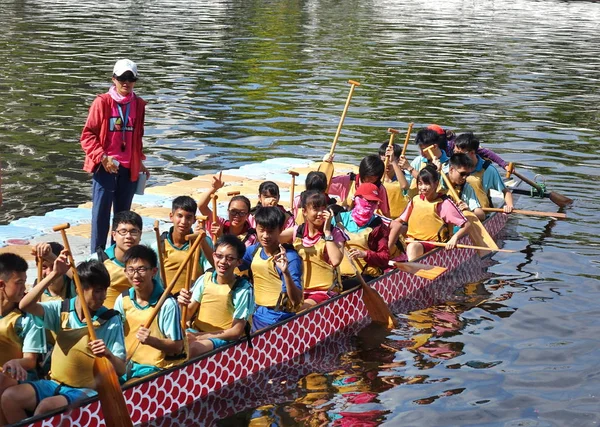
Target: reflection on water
(232,82)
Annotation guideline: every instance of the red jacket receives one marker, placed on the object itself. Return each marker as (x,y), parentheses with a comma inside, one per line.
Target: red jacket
(94,138)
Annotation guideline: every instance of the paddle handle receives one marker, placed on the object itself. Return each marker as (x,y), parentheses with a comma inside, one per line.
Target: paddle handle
(408,132)
(233,193)
(393,133)
(214,198)
(511,170)
(86,311)
(292,188)
(161,252)
(353,84)
(525,212)
(39,265)
(461,246)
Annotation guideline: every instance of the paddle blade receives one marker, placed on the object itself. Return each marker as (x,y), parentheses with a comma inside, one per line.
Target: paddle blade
(111,397)
(560,200)
(479,235)
(327,169)
(377,308)
(426,271)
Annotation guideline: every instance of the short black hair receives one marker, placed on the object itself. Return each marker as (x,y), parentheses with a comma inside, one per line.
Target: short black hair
(11,263)
(461,160)
(372,165)
(314,198)
(269,217)
(467,141)
(429,175)
(186,203)
(427,137)
(93,274)
(127,217)
(142,252)
(383,148)
(269,189)
(316,180)
(234,242)
(241,199)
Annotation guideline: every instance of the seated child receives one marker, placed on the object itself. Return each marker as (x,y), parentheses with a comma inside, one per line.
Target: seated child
(368,243)
(268,195)
(482,152)
(428,215)
(126,232)
(220,303)
(21,340)
(320,246)
(315,180)
(394,180)
(461,167)
(174,245)
(427,137)
(161,345)
(63,287)
(238,212)
(71,373)
(276,271)
(371,169)
(483,178)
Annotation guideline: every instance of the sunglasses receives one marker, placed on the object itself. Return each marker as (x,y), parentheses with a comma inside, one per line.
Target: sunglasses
(464,174)
(129,79)
(236,213)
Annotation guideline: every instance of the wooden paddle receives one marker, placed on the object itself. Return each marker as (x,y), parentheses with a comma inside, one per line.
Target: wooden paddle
(195,260)
(426,271)
(161,253)
(532,213)
(376,306)
(167,292)
(460,246)
(233,193)
(111,397)
(39,264)
(408,132)
(393,133)
(327,167)
(477,232)
(556,198)
(214,198)
(292,188)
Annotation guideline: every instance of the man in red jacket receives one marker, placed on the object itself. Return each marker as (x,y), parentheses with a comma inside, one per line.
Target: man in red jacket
(112,141)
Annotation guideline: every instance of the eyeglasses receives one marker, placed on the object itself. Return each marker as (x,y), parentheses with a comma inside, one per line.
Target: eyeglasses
(130,271)
(227,258)
(123,79)
(124,232)
(235,212)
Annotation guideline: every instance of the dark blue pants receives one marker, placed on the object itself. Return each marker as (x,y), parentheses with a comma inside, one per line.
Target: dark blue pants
(109,191)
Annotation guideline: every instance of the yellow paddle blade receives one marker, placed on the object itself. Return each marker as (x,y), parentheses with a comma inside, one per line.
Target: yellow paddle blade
(426,271)
(377,308)
(111,397)
(327,168)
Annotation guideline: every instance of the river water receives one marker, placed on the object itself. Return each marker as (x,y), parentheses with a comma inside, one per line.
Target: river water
(231,82)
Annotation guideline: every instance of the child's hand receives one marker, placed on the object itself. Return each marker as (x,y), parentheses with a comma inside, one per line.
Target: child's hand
(389,153)
(357,253)
(462,205)
(61,264)
(109,165)
(217,183)
(508,208)
(437,163)
(215,229)
(328,158)
(14,370)
(281,260)
(43,251)
(451,244)
(98,347)
(327,215)
(143,334)
(184,297)
(403,163)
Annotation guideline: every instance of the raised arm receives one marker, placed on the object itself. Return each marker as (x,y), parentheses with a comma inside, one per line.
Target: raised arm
(204,198)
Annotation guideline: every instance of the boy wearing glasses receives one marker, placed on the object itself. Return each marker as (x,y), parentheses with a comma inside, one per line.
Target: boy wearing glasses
(483,178)
(220,302)
(112,142)
(126,232)
(276,271)
(175,246)
(71,375)
(161,345)
(461,167)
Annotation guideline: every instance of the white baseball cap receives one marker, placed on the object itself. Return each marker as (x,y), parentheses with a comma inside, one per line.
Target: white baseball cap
(124,65)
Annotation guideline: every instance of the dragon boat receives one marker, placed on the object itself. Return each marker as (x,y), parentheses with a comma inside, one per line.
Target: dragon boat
(181,395)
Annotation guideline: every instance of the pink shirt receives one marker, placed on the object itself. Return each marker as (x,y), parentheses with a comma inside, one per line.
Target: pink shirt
(115,132)
(447,210)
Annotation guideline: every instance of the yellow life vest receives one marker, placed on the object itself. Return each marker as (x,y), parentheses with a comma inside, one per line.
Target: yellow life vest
(136,318)
(10,342)
(424,222)
(475,180)
(173,258)
(216,308)
(396,198)
(318,274)
(359,240)
(72,360)
(351,191)
(268,287)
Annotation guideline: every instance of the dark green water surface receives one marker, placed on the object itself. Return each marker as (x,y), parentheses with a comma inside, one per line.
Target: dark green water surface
(231,82)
